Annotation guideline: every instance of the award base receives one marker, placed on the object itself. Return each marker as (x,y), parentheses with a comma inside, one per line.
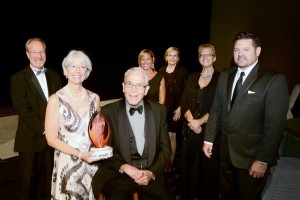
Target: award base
(101,153)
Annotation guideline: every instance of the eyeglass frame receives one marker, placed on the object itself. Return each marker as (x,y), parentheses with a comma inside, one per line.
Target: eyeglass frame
(137,86)
(209,55)
(37,52)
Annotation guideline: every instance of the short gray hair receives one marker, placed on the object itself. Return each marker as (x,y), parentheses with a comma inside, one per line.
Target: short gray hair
(139,69)
(85,60)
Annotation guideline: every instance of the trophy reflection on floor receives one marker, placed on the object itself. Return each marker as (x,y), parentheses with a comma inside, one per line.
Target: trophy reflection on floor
(99,132)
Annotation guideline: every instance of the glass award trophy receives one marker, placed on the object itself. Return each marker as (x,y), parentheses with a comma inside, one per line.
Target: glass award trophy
(99,132)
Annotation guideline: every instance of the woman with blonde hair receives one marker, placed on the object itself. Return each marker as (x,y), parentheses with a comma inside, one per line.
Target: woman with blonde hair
(175,76)
(157,91)
(199,175)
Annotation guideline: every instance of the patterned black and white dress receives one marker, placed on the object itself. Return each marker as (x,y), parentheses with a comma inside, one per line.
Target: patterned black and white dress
(71,178)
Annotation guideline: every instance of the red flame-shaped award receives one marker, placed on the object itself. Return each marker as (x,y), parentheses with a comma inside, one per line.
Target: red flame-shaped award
(99,132)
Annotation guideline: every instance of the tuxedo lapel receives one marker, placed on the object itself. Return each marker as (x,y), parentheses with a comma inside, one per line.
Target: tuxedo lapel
(31,76)
(150,130)
(124,131)
(49,80)
(230,87)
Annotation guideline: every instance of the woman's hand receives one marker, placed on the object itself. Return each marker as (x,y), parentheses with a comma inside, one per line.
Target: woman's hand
(195,125)
(177,114)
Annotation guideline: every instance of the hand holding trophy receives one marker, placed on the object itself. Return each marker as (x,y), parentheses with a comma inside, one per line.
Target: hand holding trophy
(99,132)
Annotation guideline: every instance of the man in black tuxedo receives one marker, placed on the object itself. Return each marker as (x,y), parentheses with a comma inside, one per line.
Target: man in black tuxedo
(30,89)
(251,125)
(140,142)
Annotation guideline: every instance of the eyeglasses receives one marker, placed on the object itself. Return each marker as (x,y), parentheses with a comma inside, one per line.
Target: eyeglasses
(37,52)
(77,67)
(210,55)
(137,86)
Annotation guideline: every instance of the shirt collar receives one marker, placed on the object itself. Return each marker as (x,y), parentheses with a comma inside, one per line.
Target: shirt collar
(247,70)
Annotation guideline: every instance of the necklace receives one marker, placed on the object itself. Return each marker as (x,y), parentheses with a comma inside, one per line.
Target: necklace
(207,76)
(77,97)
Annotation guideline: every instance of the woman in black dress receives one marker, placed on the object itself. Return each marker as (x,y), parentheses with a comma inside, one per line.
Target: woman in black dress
(157,90)
(175,77)
(196,169)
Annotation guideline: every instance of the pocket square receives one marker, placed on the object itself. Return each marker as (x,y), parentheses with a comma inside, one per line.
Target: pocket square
(250,92)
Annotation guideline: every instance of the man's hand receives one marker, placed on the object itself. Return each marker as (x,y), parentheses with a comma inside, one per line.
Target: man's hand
(145,178)
(258,169)
(141,177)
(207,149)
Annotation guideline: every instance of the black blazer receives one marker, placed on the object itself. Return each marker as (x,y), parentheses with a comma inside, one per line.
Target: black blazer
(156,132)
(174,86)
(30,105)
(253,127)
(189,100)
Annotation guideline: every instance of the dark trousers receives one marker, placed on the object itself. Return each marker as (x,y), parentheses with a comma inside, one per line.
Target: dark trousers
(36,173)
(123,186)
(237,184)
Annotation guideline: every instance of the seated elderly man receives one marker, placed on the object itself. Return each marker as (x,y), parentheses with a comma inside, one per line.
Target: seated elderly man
(140,142)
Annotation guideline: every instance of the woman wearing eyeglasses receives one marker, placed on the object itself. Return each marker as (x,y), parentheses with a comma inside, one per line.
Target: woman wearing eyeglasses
(196,169)
(68,114)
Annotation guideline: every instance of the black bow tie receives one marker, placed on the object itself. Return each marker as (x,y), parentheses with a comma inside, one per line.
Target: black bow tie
(38,72)
(139,109)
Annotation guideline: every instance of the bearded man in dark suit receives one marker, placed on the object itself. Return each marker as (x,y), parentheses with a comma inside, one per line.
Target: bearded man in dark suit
(251,124)
(30,89)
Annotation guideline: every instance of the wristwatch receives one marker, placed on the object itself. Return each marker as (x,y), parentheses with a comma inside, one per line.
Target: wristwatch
(153,177)
(263,163)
